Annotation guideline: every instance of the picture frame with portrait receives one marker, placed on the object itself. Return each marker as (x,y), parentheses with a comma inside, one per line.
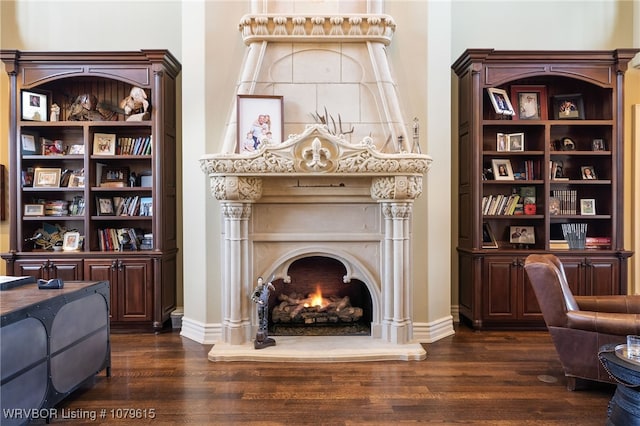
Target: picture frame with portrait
(500,101)
(522,235)
(104,206)
(598,145)
(260,122)
(516,141)
(588,173)
(588,206)
(530,102)
(502,169)
(34,105)
(568,107)
(71,241)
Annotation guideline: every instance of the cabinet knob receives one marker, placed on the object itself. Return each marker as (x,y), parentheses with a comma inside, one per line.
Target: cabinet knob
(113,265)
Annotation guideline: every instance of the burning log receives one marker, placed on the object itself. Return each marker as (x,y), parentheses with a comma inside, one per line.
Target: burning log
(314,309)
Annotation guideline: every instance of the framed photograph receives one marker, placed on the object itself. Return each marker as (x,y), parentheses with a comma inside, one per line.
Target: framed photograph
(516,141)
(71,241)
(502,169)
(76,180)
(34,209)
(104,144)
(598,145)
(46,178)
(554,206)
(28,143)
(522,235)
(114,177)
(588,173)
(502,143)
(488,239)
(76,149)
(588,206)
(260,121)
(146,206)
(104,206)
(568,107)
(500,101)
(531,102)
(34,105)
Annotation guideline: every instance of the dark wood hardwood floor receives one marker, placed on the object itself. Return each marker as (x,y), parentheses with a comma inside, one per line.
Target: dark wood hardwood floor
(479,378)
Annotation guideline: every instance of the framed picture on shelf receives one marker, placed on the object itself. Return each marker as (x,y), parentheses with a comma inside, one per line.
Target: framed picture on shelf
(588,173)
(516,141)
(568,107)
(598,145)
(34,105)
(502,169)
(531,102)
(522,235)
(104,144)
(51,147)
(46,178)
(114,177)
(76,180)
(71,241)
(554,206)
(104,206)
(28,143)
(502,143)
(260,121)
(488,239)
(588,206)
(34,209)
(500,101)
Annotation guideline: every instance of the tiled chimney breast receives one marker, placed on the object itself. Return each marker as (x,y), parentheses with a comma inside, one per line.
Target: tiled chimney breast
(320,192)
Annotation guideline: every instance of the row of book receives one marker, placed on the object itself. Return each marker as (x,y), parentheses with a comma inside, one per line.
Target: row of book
(133,206)
(134,146)
(521,201)
(124,239)
(590,243)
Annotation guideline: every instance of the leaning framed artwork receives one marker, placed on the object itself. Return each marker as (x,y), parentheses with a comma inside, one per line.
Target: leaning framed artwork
(34,105)
(46,178)
(260,121)
(530,102)
(568,107)
(500,101)
(502,169)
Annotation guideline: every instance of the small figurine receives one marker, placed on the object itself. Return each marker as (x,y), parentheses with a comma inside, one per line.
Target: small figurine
(135,105)
(55,112)
(260,296)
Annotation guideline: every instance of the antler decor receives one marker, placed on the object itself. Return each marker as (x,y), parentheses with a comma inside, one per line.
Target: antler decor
(324,119)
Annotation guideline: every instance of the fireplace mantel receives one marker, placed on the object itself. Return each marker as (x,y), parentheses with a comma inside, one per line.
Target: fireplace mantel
(317,153)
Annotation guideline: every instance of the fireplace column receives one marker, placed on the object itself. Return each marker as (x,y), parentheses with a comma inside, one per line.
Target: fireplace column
(236,195)
(396,195)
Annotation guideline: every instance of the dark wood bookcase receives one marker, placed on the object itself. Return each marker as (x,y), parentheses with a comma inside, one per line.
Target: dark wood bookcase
(574,122)
(142,276)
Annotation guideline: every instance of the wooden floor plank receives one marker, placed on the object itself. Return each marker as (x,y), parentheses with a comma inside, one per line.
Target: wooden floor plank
(479,378)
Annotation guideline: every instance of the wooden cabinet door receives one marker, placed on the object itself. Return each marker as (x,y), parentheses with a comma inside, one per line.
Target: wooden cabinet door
(500,288)
(104,270)
(46,269)
(574,271)
(135,290)
(602,276)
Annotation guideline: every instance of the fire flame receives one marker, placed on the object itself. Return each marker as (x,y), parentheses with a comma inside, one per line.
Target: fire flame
(316,299)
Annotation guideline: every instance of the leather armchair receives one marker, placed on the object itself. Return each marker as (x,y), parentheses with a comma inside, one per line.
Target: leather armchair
(580,325)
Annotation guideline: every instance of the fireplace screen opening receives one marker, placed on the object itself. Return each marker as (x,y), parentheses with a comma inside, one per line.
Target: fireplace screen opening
(317,301)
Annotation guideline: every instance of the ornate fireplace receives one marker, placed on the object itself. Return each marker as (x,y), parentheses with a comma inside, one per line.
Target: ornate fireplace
(323,192)
(318,195)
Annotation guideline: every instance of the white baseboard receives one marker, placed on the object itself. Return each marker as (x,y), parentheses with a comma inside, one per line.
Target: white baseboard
(206,334)
(433,331)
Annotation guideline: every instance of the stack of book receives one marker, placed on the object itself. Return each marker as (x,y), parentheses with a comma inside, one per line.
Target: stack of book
(146,243)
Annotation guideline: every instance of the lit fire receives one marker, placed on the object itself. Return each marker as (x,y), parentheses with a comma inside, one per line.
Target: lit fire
(315,299)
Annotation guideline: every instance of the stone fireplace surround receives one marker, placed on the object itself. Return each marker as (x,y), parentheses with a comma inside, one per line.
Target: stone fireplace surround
(321,193)
(317,194)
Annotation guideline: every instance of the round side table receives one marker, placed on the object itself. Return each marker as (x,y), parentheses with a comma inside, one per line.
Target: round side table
(624,407)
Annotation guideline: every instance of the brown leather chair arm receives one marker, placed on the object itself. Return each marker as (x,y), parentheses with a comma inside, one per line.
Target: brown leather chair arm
(615,304)
(602,322)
